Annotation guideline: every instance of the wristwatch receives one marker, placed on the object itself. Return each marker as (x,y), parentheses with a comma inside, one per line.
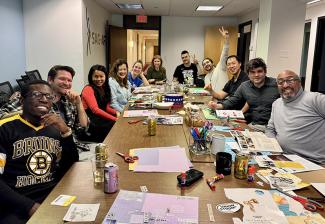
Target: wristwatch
(68,133)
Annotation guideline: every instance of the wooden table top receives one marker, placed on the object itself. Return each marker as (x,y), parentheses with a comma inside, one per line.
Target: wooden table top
(78,180)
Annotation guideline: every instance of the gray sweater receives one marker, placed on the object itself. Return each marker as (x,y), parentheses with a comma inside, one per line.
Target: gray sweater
(299,125)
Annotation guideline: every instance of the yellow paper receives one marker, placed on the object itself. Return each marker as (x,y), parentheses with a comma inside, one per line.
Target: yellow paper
(132,165)
(313,219)
(288,164)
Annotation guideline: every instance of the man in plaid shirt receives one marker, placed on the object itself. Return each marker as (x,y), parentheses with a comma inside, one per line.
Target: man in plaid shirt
(67,102)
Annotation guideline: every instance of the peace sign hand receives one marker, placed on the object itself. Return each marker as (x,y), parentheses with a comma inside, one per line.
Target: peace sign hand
(224,33)
(195,61)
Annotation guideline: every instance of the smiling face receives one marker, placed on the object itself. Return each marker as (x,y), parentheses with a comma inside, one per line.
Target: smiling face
(122,71)
(157,63)
(137,69)
(61,83)
(207,65)
(288,84)
(98,78)
(233,66)
(257,76)
(38,101)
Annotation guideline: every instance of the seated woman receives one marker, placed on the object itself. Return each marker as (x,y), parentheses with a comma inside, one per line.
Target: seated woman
(96,99)
(119,84)
(136,76)
(156,73)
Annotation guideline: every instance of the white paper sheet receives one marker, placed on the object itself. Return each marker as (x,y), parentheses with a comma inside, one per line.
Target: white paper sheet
(319,187)
(81,213)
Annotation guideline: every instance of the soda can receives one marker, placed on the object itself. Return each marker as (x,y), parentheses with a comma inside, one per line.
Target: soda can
(159,98)
(241,166)
(152,125)
(110,178)
(100,151)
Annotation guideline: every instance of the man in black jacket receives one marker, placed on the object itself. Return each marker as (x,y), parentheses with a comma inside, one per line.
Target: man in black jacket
(36,149)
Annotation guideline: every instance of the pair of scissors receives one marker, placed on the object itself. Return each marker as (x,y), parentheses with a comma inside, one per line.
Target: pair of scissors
(128,159)
(308,204)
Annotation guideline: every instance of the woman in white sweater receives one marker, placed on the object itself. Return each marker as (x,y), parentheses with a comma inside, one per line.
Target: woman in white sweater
(119,84)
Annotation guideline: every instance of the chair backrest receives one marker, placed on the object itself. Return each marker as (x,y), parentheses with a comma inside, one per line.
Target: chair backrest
(6,91)
(34,74)
(21,82)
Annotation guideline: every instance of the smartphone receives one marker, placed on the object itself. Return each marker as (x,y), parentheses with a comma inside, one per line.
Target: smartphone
(192,175)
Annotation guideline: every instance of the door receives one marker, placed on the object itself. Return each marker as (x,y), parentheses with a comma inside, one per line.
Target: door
(318,76)
(117,44)
(244,41)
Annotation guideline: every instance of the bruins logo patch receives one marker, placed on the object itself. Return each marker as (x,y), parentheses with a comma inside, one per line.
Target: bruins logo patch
(39,163)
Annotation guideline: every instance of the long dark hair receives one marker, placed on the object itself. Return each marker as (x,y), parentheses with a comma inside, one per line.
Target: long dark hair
(102,100)
(114,72)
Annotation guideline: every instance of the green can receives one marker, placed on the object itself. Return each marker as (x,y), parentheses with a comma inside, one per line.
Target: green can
(241,166)
(152,125)
(100,151)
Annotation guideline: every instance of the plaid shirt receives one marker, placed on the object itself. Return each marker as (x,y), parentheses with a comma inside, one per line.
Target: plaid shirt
(68,110)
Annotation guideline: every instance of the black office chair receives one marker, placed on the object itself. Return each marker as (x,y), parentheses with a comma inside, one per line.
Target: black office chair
(6,91)
(34,74)
(25,78)
(21,82)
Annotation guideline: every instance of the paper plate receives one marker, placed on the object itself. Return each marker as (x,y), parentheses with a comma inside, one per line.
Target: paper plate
(228,207)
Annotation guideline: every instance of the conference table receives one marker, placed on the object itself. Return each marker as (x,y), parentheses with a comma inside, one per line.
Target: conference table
(78,181)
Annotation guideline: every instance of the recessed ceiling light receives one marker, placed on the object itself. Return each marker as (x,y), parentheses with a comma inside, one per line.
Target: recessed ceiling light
(312,2)
(129,6)
(209,8)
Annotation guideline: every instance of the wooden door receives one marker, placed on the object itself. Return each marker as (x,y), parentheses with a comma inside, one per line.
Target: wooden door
(117,44)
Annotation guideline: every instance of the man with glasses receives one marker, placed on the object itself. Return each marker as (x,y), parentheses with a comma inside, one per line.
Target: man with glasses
(36,149)
(259,93)
(298,119)
(67,103)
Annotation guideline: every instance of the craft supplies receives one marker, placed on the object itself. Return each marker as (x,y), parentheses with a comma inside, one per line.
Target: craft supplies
(241,166)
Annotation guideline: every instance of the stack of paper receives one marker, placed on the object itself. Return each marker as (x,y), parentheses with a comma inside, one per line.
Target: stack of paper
(199,91)
(138,207)
(139,113)
(237,114)
(162,159)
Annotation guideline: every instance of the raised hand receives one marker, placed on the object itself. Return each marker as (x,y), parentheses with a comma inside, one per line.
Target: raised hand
(224,33)
(195,61)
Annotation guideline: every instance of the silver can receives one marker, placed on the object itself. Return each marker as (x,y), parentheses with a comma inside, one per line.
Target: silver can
(110,178)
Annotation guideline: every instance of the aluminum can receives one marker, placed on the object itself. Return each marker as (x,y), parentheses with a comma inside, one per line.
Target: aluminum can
(159,98)
(241,166)
(110,178)
(152,125)
(100,151)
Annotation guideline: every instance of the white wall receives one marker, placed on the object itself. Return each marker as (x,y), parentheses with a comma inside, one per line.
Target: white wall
(186,33)
(12,43)
(98,17)
(286,36)
(53,35)
(312,14)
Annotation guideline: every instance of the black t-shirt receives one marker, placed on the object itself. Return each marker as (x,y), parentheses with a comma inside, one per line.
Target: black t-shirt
(186,75)
(232,85)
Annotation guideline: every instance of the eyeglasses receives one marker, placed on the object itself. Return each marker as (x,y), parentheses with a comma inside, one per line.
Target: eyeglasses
(288,81)
(38,95)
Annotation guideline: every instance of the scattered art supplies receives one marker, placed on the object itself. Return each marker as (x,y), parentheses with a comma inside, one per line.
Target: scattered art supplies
(209,114)
(168,120)
(199,91)
(286,182)
(235,114)
(138,207)
(140,113)
(255,141)
(286,163)
(160,159)
(63,200)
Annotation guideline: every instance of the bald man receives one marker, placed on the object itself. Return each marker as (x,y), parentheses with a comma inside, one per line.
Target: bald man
(298,119)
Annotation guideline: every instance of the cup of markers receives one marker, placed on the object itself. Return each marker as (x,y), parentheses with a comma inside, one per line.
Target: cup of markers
(200,141)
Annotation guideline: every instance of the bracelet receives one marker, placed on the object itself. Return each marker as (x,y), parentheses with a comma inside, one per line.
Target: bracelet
(68,133)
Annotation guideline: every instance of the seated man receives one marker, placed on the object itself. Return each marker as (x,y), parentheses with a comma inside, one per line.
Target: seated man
(259,93)
(298,119)
(67,103)
(36,149)
(187,72)
(238,76)
(217,77)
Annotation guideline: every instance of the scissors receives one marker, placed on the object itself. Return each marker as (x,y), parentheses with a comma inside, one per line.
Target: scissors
(128,159)
(308,204)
